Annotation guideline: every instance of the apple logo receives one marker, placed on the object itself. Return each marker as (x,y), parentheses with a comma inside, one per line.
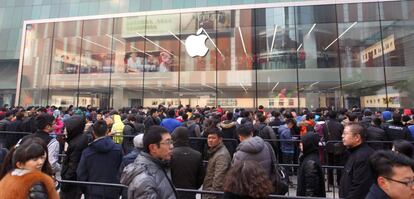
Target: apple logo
(196,44)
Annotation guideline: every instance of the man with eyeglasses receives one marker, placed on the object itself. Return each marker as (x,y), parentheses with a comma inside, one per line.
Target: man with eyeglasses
(149,176)
(393,176)
(356,179)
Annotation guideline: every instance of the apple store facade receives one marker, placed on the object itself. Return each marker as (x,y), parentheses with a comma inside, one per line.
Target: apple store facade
(289,55)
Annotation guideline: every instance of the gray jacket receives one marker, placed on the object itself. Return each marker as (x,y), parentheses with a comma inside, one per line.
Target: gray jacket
(149,178)
(255,149)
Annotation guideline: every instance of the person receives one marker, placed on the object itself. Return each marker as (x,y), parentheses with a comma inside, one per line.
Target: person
(253,148)
(77,142)
(356,179)
(403,147)
(131,156)
(149,176)
(129,130)
(310,174)
(332,132)
(170,123)
(27,180)
(152,119)
(376,133)
(396,130)
(247,179)
(4,123)
(393,176)
(102,151)
(186,163)
(117,129)
(44,126)
(265,131)
(287,147)
(228,126)
(218,162)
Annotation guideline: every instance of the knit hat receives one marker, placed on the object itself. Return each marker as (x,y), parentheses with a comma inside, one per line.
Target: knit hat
(138,141)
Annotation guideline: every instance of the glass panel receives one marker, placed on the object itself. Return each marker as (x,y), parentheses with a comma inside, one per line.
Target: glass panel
(397,42)
(276,46)
(318,62)
(361,59)
(198,74)
(126,81)
(66,58)
(95,63)
(161,60)
(36,65)
(236,77)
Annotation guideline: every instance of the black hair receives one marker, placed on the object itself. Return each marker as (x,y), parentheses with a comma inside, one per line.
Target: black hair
(43,120)
(396,118)
(131,117)
(289,121)
(213,131)
(152,111)
(261,117)
(229,115)
(261,107)
(185,117)
(377,121)
(100,128)
(275,114)
(382,162)
(89,117)
(245,129)
(404,147)
(27,151)
(171,113)
(153,136)
(352,117)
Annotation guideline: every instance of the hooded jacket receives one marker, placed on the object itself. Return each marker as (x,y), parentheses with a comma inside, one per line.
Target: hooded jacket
(229,131)
(100,162)
(118,129)
(254,148)
(77,142)
(310,174)
(148,177)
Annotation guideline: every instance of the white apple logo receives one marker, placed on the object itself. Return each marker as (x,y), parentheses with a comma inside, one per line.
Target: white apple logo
(196,44)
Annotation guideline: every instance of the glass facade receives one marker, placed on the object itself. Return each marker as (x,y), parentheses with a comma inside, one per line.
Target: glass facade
(291,57)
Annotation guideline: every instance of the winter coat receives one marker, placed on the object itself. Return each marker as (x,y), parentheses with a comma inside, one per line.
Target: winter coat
(77,142)
(14,126)
(285,134)
(100,162)
(130,129)
(375,133)
(310,174)
(186,169)
(25,184)
(254,148)
(151,121)
(266,132)
(332,132)
(170,124)
(148,177)
(229,131)
(356,175)
(129,158)
(376,193)
(118,129)
(397,131)
(218,164)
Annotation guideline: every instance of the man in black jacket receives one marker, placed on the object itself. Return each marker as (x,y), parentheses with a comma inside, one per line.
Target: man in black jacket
(396,130)
(77,142)
(310,175)
(186,163)
(152,119)
(332,134)
(357,178)
(376,133)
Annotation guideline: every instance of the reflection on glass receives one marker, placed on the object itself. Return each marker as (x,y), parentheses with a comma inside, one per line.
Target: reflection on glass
(36,65)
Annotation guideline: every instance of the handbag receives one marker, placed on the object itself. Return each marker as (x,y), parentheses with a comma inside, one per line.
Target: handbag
(279,177)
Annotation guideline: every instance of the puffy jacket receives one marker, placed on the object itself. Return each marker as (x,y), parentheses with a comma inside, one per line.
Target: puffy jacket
(148,177)
(25,184)
(229,131)
(357,176)
(310,174)
(100,162)
(254,149)
(218,164)
(77,142)
(118,129)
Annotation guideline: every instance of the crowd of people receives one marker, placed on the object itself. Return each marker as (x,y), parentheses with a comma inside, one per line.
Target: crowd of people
(153,151)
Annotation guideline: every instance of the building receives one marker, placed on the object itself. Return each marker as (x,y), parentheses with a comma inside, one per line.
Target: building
(290,54)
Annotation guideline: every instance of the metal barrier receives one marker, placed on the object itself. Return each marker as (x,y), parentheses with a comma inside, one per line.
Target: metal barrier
(179,190)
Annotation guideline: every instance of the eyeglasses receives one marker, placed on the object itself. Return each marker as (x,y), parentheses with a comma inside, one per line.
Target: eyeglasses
(409,183)
(167,142)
